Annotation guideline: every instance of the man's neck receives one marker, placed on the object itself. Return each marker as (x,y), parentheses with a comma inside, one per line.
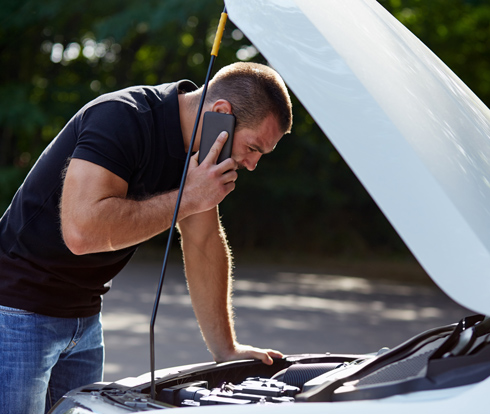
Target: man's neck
(188,112)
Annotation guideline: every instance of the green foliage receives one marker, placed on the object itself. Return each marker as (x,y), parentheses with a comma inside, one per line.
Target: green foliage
(57,55)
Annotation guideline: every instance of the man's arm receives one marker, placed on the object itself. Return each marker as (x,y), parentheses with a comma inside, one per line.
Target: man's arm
(97,216)
(208,270)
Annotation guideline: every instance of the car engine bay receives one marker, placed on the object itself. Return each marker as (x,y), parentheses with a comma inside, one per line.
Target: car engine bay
(282,387)
(439,359)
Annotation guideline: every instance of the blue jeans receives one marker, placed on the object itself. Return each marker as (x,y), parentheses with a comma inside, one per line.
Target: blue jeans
(42,358)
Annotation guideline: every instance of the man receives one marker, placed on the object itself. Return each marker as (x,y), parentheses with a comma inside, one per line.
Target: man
(107,183)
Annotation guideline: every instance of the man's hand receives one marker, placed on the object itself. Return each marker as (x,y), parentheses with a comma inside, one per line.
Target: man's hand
(209,183)
(248,352)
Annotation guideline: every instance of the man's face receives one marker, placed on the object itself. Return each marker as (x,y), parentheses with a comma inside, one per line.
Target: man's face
(250,144)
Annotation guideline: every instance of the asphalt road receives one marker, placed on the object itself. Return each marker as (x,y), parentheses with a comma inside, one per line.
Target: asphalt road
(294,310)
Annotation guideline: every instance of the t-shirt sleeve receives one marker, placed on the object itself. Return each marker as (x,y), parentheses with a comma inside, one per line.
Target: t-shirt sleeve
(113,135)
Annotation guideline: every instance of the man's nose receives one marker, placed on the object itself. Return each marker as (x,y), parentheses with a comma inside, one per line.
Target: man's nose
(251,161)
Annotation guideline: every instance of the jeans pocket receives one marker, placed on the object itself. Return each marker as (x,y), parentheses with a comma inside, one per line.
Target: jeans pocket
(14,311)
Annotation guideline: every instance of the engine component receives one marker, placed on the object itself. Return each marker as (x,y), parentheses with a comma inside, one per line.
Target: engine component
(298,374)
(251,391)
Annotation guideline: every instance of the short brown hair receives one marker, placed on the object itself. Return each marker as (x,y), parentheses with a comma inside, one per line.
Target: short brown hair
(254,91)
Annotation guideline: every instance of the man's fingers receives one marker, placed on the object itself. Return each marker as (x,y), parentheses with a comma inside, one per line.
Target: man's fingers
(264,355)
(215,150)
(275,354)
(230,176)
(265,358)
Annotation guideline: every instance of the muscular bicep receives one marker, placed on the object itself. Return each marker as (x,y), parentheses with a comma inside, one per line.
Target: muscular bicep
(86,185)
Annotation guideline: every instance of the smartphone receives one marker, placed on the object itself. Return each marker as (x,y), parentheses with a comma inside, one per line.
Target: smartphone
(212,125)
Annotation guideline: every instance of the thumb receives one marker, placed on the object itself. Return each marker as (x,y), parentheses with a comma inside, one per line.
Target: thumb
(194,161)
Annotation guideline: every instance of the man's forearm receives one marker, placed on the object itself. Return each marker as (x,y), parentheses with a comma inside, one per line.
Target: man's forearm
(208,270)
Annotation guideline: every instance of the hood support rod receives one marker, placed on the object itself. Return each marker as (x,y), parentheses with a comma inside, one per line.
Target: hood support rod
(214,54)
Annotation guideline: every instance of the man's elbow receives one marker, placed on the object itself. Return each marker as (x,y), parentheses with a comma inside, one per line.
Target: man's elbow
(76,240)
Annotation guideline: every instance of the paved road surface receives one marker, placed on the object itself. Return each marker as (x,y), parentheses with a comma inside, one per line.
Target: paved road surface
(292,311)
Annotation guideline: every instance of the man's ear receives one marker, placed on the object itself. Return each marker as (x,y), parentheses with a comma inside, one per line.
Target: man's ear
(222,106)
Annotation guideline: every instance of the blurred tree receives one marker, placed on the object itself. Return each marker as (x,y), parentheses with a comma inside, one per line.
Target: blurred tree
(57,55)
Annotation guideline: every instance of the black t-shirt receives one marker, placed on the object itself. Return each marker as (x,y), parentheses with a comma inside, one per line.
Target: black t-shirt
(134,133)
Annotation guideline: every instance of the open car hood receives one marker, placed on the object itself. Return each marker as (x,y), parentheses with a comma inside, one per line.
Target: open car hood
(414,134)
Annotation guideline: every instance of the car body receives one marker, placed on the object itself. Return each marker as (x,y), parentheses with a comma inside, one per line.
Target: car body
(418,140)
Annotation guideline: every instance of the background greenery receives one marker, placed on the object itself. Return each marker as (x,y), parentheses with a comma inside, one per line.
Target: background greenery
(56,55)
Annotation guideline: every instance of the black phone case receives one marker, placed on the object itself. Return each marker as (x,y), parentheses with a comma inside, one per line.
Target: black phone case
(213,124)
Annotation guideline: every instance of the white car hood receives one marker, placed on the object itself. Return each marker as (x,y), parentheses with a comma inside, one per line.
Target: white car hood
(414,134)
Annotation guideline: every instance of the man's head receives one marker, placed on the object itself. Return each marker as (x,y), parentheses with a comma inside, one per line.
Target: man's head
(254,91)
(259,99)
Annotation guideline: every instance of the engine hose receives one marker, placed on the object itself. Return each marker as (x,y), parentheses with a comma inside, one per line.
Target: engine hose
(298,374)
